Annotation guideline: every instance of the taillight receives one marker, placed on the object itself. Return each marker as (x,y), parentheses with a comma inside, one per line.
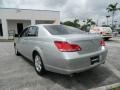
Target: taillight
(67,47)
(101,32)
(102,43)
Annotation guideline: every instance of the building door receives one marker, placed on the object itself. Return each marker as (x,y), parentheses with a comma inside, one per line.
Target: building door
(19,27)
(1,31)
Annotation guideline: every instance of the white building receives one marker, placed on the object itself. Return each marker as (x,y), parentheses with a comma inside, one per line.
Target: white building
(14,20)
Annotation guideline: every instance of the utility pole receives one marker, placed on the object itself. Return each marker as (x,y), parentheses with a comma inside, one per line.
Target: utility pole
(108,16)
(97,22)
(115,24)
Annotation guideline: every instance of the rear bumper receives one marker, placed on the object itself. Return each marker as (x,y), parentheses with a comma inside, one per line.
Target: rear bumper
(71,71)
(76,64)
(107,36)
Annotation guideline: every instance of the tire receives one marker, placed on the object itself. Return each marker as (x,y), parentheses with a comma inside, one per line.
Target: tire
(106,39)
(16,51)
(38,64)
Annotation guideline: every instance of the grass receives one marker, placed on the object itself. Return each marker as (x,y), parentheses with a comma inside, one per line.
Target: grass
(6,40)
(116,88)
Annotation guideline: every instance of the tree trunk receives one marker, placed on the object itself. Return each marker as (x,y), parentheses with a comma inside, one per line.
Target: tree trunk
(113,19)
(107,21)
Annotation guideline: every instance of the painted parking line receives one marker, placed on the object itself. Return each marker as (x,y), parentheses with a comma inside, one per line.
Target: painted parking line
(113,45)
(113,69)
(116,72)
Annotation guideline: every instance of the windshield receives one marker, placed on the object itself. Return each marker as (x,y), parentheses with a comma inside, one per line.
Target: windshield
(62,30)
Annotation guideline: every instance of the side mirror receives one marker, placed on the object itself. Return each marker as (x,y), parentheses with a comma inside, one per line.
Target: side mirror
(16,35)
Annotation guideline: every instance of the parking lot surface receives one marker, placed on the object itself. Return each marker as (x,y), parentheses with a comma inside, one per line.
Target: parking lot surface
(17,73)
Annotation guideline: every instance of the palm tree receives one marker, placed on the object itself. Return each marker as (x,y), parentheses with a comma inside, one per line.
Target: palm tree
(74,23)
(87,24)
(112,8)
(90,22)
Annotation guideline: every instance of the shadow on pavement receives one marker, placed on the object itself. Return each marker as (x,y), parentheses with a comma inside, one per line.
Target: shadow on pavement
(81,81)
(84,80)
(112,40)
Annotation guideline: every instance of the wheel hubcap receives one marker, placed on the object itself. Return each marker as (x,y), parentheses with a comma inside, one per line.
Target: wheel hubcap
(38,63)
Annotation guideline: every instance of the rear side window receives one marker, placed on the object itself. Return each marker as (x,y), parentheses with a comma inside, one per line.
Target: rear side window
(62,30)
(33,31)
(107,28)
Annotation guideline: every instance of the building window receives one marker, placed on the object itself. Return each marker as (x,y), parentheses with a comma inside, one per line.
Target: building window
(45,21)
(1,31)
(19,27)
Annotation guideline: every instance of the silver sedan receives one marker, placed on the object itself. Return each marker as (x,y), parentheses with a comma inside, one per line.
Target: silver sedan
(60,48)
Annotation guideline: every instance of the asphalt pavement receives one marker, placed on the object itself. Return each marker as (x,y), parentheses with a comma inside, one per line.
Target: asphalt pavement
(17,73)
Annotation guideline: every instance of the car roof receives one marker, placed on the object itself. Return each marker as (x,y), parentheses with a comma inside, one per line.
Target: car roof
(38,25)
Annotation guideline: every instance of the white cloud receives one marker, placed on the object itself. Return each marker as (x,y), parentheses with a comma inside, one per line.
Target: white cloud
(70,9)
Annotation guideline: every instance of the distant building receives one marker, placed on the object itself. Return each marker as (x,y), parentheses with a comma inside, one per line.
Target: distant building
(118,28)
(13,20)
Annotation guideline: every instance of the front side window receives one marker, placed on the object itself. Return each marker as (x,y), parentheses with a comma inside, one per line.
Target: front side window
(24,33)
(30,32)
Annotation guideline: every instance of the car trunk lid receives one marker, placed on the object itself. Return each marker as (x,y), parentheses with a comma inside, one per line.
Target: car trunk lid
(87,42)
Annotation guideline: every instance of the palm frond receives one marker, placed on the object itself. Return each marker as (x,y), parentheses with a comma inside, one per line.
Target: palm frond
(115,4)
(112,7)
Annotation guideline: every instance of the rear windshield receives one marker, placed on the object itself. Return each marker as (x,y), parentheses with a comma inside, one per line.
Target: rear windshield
(62,30)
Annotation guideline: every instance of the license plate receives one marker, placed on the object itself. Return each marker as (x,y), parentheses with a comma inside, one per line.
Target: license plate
(94,60)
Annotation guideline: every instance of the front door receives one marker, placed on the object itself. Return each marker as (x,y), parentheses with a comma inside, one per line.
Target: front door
(21,41)
(1,31)
(19,28)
